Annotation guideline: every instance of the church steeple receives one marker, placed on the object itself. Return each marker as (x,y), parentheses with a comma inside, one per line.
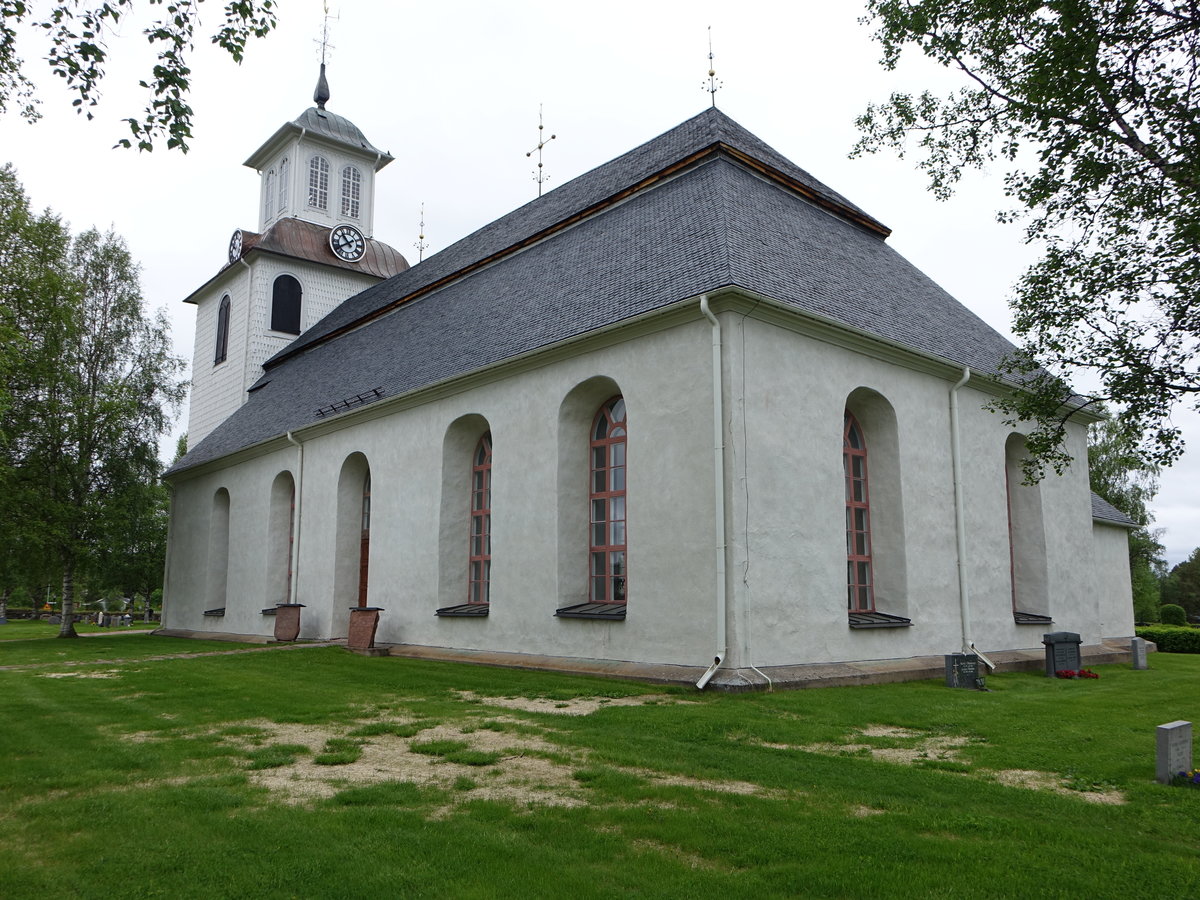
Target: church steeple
(321,94)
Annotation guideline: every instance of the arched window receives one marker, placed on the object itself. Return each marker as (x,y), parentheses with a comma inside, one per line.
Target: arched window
(222,331)
(286,295)
(351,188)
(283,184)
(281,537)
(218,555)
(1029,572)
(268,195)
(364,545)
(318,182)
(607,499)
(479,582)
(860,591)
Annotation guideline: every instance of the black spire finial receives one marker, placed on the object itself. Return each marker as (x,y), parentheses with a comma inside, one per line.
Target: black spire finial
(321,94)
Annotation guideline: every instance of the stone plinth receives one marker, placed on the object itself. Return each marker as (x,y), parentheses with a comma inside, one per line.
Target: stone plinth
(1137,647)
(1174,745)
(1062,652)
(363,622)
(287,621)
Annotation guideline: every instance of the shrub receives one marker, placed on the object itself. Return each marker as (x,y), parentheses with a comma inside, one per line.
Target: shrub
(1172,614)
(1172,639)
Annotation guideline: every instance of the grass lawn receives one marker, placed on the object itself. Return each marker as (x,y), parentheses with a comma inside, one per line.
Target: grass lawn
(317,773)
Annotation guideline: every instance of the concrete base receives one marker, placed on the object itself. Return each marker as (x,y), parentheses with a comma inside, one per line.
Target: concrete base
(370,651)
(874,671)
(877,671)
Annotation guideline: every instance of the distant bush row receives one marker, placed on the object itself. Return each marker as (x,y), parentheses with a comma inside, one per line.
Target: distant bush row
(1172,639)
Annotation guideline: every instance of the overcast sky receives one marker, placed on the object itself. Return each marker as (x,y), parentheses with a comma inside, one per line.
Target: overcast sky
(452,92)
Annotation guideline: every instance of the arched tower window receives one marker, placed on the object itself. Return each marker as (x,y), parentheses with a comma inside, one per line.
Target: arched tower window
(268,195)
(860,591)
(364,544)
(607,498)
(286,295)
(222,348)
(479,579)
(283,184)
(318,182)
(351,191)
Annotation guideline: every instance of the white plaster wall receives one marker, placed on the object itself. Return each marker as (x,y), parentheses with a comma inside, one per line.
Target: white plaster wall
(664,378)
(332,215)
(789,519)
(1113,586)
(188,571)
(218,389)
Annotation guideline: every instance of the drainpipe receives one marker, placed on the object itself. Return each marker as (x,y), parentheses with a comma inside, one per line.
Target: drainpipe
(294,592)
(960,528)
(719,492)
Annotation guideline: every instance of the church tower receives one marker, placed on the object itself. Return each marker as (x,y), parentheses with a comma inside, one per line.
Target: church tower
(314,248)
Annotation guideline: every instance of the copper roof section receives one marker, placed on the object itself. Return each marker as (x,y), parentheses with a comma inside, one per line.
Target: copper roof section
(298,239)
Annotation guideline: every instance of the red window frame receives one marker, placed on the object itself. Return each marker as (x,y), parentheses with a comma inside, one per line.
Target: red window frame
(364,544)
(608,541)
(479,570)
(860,587)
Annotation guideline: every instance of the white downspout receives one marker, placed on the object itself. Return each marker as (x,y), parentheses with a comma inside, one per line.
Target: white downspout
(294,591)
(719,491)
(960,528)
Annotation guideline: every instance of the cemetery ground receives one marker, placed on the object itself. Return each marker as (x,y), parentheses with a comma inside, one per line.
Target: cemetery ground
(143,766)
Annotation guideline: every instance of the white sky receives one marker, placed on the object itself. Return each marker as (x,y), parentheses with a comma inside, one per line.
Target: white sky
(452,92)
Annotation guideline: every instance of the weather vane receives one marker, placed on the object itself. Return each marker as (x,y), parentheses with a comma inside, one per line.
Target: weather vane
(714,83)
(324,41)
(420,242)
(540,176)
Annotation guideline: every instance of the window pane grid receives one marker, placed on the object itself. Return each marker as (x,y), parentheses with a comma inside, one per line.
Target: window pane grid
(318,182)
(860,589)
(351,187)
(480,547)
(283,184)
(607,533)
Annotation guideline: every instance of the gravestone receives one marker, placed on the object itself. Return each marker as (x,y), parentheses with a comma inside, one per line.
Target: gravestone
(1138,647)
(363,622)
(962,671)
(287,621)
(1062,651)
(1174,746)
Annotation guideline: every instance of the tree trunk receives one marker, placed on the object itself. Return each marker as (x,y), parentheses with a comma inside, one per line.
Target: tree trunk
(67,630)
(4,595)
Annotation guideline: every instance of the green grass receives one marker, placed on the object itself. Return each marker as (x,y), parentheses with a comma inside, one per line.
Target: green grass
(187,777)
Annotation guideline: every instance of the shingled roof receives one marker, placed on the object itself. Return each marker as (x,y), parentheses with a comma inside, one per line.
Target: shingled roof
(704,206)
(1103,511)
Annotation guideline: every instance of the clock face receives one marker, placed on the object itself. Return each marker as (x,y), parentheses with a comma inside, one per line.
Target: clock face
(235,246)
(348,243)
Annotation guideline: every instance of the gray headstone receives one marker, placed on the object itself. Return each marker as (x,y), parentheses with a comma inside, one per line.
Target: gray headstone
(1174,745)
(962,671)
(1062,652)
(1138,646)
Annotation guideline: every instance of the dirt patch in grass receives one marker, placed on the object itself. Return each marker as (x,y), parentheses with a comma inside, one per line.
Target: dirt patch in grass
(107,673)
(576,706)
(932,749)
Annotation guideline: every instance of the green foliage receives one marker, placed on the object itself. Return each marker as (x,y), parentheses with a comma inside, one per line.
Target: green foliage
(92,384)
(1182,584)
(339,752)
(76,50)
(1170,614)
(1092,106)
(1172,639)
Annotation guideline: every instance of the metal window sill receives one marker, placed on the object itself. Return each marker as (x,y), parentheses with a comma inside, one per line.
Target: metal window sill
(611,612)
(464,611)
(860,620)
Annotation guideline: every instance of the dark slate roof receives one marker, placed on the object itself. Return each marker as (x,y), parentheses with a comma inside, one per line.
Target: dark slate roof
(1103,511)
(326,124)
(700,133)
(717,223)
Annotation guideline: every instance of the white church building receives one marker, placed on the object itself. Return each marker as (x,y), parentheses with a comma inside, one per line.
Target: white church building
(686,417)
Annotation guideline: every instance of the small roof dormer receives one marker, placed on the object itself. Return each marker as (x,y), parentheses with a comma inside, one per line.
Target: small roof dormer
(284,162)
